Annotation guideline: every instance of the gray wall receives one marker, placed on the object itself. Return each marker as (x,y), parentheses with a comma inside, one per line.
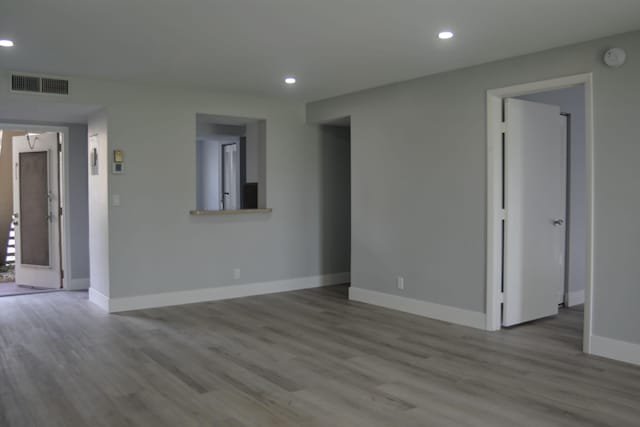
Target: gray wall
(252,153)
(78,209)
(150,244)
(572,101)
(419,180)
(335,197)
(156,246)
(99,206)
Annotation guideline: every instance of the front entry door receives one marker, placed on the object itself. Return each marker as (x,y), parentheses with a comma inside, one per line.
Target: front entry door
(535,204)
(36,204)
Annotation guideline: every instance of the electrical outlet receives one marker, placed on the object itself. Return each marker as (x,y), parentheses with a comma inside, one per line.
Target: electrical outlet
(236,274)
(400,282)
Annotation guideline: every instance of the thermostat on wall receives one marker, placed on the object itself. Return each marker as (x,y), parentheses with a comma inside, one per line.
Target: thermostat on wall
(118,162)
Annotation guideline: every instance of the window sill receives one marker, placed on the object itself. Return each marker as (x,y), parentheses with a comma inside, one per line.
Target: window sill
(230,212)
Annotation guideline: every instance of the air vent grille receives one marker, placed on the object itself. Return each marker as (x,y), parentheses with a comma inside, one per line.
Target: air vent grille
(35,84)
(25,83)
(57,86)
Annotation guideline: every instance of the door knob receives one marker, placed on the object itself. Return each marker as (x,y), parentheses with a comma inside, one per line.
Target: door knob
(558,222)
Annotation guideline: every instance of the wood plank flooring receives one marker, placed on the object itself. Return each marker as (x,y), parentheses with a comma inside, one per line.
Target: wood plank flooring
(308,358)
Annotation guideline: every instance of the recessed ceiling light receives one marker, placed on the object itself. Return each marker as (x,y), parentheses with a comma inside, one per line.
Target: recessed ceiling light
(445,35)
(6,43)
(290,80)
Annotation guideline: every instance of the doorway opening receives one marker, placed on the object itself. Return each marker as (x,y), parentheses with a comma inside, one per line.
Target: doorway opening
(335,193)
(230,163)
(539,252)
(33,246)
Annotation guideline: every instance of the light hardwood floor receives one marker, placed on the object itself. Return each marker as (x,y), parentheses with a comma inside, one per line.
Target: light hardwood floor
(308,358)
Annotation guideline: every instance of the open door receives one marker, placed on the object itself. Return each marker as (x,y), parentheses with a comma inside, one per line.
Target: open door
(535,208)
(230,177)
(36,204)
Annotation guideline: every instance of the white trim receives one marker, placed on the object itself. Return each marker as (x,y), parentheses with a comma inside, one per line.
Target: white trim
(445,313)
(614,349)
(495,213)
(575,298)
(65,234)
(63,175)
(590,144)
(99,299)
(494,185)
(114,305)
(79,284)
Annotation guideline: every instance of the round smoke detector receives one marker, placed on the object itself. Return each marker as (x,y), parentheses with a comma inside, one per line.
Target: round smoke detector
(615,57)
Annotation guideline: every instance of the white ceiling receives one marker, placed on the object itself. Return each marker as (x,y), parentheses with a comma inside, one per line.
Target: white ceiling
(332,46)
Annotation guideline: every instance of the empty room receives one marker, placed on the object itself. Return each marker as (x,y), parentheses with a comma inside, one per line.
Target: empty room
(331,213)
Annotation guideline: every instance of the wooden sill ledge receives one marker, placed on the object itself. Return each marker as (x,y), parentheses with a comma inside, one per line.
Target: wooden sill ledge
(230,212)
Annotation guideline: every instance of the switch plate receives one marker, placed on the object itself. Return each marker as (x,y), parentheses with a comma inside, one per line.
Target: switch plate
(400,283)
(236,274)
(115,200)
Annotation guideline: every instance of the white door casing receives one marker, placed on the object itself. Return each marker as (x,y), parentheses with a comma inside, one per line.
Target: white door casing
(535,203)
(37,204)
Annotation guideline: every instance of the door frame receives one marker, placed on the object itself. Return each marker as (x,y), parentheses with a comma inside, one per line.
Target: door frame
(65,233)
(495,213)
(222,173)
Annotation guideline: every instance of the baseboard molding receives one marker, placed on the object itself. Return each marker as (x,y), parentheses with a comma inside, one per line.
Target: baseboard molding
(115,305)
(99,299)
(575,298)
(78,284)
(614,349)
(445,313)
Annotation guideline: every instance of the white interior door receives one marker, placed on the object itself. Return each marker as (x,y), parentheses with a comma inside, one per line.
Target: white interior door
(535,205)
(36,203)
(230,176)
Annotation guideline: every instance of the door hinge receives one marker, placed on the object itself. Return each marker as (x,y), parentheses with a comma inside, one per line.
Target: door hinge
(503,127)
(62,274)
(60,211)
(501,298)
(59,147)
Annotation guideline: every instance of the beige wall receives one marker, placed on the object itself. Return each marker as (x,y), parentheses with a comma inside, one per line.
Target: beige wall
(6,189)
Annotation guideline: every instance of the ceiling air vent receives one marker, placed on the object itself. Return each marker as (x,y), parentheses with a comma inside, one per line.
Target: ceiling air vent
(35,84)
(25,83)
(57,86)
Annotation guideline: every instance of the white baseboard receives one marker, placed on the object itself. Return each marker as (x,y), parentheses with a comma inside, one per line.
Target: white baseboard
(78,284)
(575,298)
(445,313)
(99,299)
(114,305)
(615,349)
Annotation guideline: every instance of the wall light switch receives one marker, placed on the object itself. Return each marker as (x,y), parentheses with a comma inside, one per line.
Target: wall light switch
(115,200)
(400,282)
